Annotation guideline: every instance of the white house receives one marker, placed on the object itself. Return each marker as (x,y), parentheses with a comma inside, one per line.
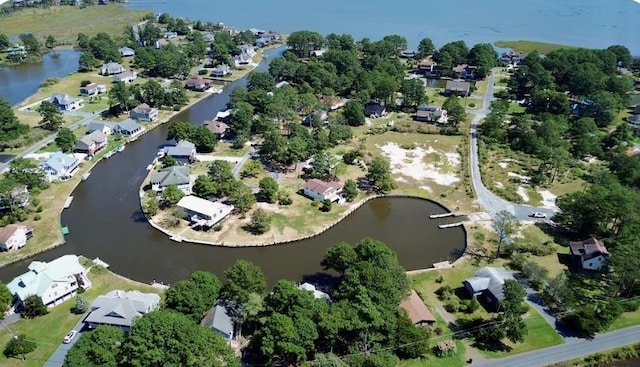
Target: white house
(126,77)
(54,282)
(65,102)
(316,293)
(204,212)
(321,190)
(13,237)
(111,68)
(93,89)
(103,127)
(61,166)
(126,52)
(174,175)
(591,253)
(119,308)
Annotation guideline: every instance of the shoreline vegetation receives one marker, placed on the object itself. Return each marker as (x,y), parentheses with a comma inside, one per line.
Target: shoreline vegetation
(526,47)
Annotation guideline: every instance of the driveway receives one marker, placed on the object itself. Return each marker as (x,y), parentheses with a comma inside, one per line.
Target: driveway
(57,358)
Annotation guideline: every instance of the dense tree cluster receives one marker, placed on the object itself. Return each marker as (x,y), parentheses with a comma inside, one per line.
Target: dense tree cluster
(123,97)
(10,126)
(204,140)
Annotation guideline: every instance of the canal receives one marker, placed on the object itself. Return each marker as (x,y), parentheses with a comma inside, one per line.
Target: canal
(105,221)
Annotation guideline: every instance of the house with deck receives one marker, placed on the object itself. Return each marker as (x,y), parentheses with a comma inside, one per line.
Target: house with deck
(129,128)
(111,68)
(221,71)
(243,59)
(217,127)
(428,67)
(14,236)
(126,77)
(487,285)
(144,112)
(184,152)
(426,113)
(60,166)
(322,190)
(65,102)
(174,175)
(120,308)
(458,88)
(54,282)
(417,311)
(218,320)
(198,83)
(93,89)
(590,254)
(464,71)
(91,143)
(202,212)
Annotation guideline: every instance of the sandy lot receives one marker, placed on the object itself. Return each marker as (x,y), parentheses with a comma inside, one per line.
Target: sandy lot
(412,164)
(548,199)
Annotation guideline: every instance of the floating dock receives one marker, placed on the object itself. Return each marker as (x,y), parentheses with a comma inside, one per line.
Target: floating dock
(450,225)
(86,176)
(442,265)
(434,216)
(99,262)
(176,238)
(67,203)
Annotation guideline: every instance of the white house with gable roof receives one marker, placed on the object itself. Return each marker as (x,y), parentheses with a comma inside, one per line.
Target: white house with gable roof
(119,308)
(60,166)
(204,212)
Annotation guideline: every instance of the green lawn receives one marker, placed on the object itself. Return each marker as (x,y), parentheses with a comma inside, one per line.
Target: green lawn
(625,320)
(225,150)
(530,46)
(457,360)
(515,107)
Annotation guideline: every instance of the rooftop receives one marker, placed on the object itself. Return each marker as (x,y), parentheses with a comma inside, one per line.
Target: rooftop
(42,274)
(320,186)
(416,309)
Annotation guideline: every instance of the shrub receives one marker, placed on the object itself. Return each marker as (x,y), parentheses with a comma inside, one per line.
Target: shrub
(84,83)
(19,346)
(472,104)
(284,198)
(445,348)
(37,217)
(217,227)
(439,279)
(444,292)
(202,72)
(33,307)
(39,209)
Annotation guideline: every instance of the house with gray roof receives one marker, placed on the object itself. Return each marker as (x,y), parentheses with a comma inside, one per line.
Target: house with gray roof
(457,87)
(126,52)
(184,152)
(65,102)
(126,77)
(103,127)
(111,68)
(54,282)
(60,166)
(129,128)
(144,112)
(119,308)
(487,284)
(218,320)
(91,143)
(174,175)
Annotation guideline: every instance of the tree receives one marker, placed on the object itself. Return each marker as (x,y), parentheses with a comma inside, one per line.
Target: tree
(260,221)
(623,55)
(10,126)
(504,224)
(6,298)
(414,339)
(354,113)
(398,42)
(66,139)
(268,189)
(82,41)
(50,42)
(484,56)
(301,43)
(179,130)
(425,47)
(379,173)
(260,80)
(19,345)
(221,175)
(169,161)
(603,108)
(27,172)
(120,97)
(81,305)
(350,190)
(167,338)
(204,187)
(88,62)
(194,296)
(151,206)
(242,197)
(455,111)
(51,116)
(30,42)
(172,194)
(33,307)
(413,92)
(252,168)
(100,347)
(243,278)
(4,41)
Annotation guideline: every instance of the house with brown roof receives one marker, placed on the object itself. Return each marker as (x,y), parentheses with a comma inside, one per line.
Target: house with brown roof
(417,311)
(464,71)
(428,66)
(458,88)
(13,237)
(217,127)
(198,83)
(91,143)
(144,112)
(591,253)
(322,190)
(426,113)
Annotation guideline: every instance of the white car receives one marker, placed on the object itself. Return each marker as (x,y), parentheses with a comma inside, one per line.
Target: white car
(69,337)
(538,215)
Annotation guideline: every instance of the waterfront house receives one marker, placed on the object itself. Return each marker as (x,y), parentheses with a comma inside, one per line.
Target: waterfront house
(91,143)
(221,71)
(426,113)
(407,54)
(126,77)
(512,58)
(247,49)
(458,88)
(316,118)
(126,52)
(375,110)
(317,53)
(428,67)
(13,237)
(229,30)
(144,112)
(170,35)
(17,196)
(92,89)
(103,127)
(218,320)
(208,37)
(17,50)
(203,212)
(65,102)
(590,254)
(120,308)
(217,127)
(198,83)
(184,152)
(174,175)
(487,285)
(417,311)
(242,59)
(282,84)
(60,166)
(54,282)
(464,71)
(111,68)
(316,293)
(129,128)
(322,190)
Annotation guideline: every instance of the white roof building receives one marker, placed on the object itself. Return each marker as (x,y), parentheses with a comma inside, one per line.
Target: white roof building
(204,212)
(316,293)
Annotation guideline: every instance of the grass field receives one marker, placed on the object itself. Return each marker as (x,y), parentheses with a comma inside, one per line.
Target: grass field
(49,330)
(530,46)
(65,22)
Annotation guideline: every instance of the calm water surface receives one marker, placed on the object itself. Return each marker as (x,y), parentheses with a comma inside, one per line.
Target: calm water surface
(105,221)
(588,23)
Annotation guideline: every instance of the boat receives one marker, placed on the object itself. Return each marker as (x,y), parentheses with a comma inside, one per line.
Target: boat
(86,176)
(120,148)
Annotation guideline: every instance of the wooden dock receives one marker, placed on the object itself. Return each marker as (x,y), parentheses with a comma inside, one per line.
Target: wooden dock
(450,225)
(444,215)
(67,203)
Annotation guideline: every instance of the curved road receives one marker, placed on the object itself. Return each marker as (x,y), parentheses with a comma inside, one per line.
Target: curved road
(490,202)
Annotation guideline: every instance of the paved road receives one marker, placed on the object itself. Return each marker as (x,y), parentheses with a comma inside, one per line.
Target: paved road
(570,350)
(490,202)
(86,117)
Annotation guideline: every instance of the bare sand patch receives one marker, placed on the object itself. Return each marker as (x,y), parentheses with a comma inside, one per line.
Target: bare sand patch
(410,163)
(523,194)
(548,199)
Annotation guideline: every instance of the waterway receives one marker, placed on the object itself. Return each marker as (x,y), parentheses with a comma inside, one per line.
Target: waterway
(21,81)
(587,23)
(105,221)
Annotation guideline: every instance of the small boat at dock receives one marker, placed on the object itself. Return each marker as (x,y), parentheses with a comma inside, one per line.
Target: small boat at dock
(120,148)
(86,176)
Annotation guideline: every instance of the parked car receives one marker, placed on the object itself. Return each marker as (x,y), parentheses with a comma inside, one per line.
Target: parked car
(538,215)
(69,337)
